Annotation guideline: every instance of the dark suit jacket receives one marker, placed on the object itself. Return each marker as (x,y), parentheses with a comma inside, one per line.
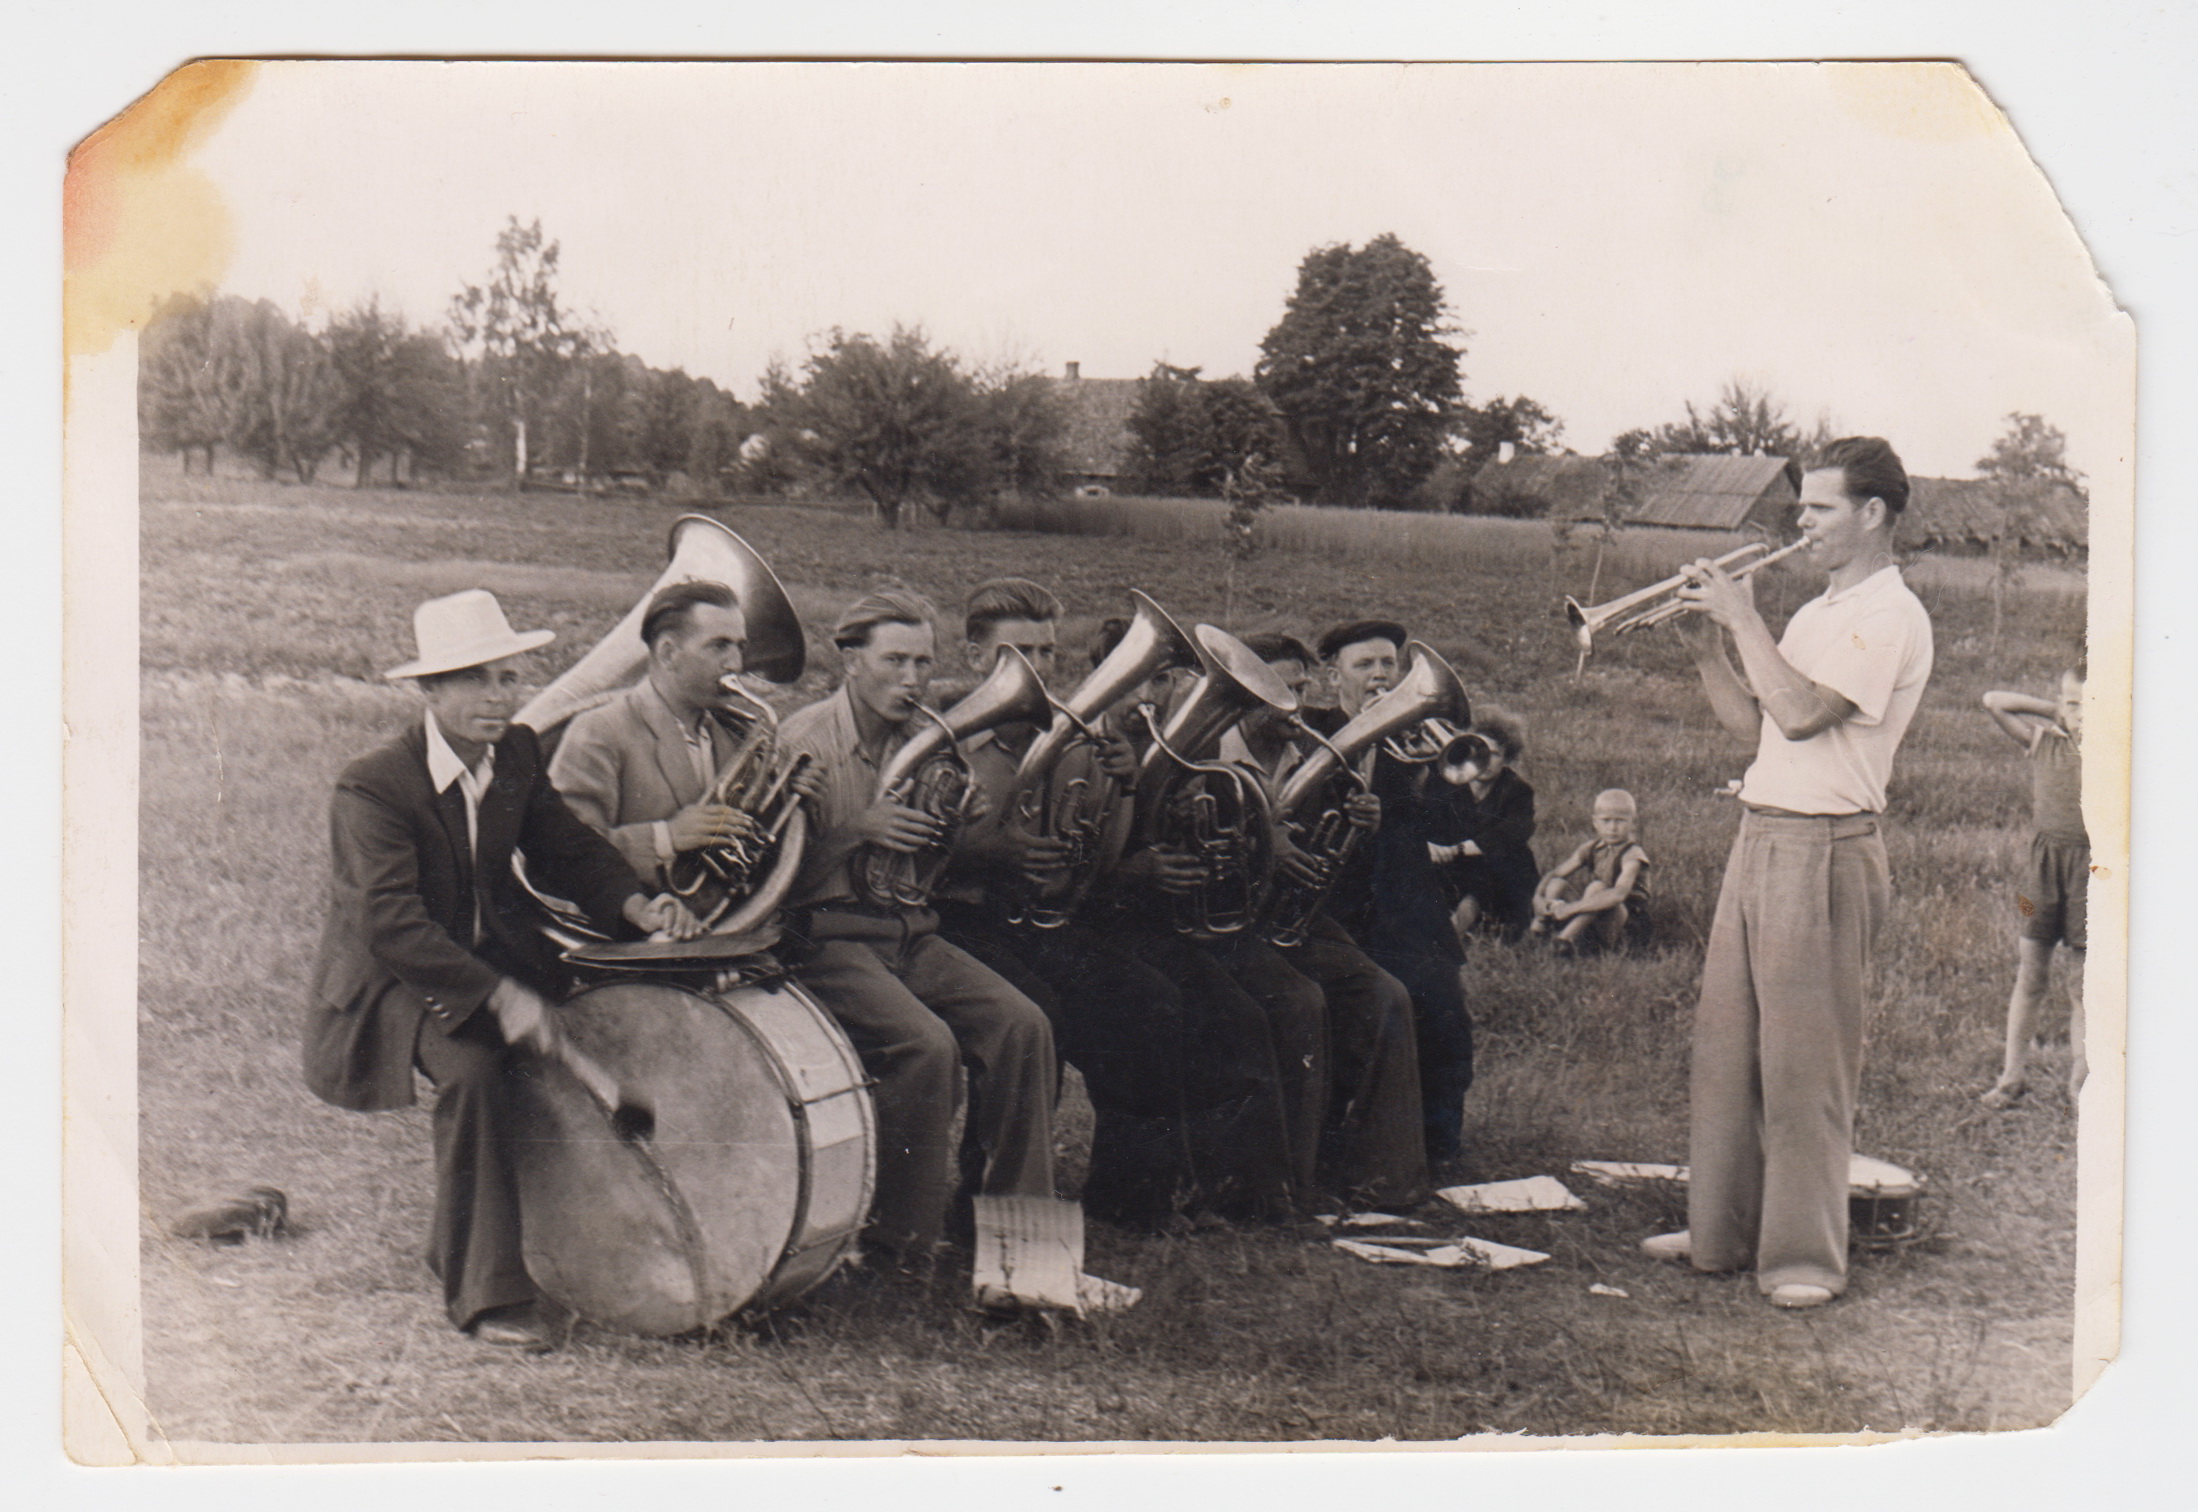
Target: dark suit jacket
(402,904)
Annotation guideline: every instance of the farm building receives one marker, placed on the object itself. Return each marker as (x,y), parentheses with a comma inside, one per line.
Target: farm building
(1678,493)
(1970,513)
(1098,415)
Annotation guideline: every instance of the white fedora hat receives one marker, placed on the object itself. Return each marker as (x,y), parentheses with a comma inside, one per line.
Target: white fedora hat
(464,630)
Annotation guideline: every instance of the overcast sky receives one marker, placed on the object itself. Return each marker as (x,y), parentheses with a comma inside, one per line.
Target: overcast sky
(1615,239)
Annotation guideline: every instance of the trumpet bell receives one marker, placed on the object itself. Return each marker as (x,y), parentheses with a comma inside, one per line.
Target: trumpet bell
(700,549)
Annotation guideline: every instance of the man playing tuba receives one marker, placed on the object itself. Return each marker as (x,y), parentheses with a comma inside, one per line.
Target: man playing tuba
(642,767)
(916,1007)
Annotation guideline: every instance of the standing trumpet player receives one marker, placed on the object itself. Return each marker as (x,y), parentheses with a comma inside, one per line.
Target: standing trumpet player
(1778,1033)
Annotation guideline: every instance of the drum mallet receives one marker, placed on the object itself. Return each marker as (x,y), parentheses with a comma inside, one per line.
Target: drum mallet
(630,1120)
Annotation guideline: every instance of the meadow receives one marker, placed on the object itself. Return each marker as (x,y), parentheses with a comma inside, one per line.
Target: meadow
(267,613)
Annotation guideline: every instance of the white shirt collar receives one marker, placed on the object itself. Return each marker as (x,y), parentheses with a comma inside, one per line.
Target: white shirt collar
(1884,577)
(443,765)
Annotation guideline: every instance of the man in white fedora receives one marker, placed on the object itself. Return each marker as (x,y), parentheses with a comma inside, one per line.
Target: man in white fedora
(431,957)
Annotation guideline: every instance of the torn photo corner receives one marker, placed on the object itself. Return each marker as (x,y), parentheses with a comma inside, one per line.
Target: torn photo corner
(345,338)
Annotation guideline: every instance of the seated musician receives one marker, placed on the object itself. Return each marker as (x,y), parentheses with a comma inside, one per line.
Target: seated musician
(640,767)
(431,957)
(1372,1150)
(917,1007)
(1116,1021)
(1259,1033)
(1389,898)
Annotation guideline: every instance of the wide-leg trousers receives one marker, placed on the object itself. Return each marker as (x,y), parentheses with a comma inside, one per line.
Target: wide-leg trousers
(1778,1047)
(918,1010)
(474,1238)
(1373,1150)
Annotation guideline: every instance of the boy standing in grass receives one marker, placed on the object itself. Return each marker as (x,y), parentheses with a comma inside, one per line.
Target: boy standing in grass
(2056,883)
(1612,906)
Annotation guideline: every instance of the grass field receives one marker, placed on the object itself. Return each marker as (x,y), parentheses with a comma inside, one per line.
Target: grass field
(269,610)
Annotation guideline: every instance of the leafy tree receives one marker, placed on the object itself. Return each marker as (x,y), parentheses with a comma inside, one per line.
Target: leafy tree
(398,399)
(2029,450)
(2026,466)
(1746,421)
(1483,430)
(520,331)
(1025,431)
(896,420)
(1188,436)
(1359,369)
(178,408)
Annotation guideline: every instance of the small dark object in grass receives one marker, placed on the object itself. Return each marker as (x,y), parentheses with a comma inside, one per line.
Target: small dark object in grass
(257,1212)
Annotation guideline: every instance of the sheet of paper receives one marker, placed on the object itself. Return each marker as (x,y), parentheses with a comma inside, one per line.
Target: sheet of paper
(1030,1253)
(1528,1194)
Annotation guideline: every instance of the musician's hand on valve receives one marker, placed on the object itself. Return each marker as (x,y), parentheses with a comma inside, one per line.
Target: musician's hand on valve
(1038,854)
(896,827)
(1363,810)
(1715,593)
(809,784)
(1166,868)
(664,915)
(1118,759)
(699,825)
(1290,859)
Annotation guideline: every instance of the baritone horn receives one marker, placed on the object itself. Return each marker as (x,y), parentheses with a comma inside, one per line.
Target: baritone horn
(1659,602)
(930,774)
(1217,811)
(736,887)
(1426,706)
(1062,792)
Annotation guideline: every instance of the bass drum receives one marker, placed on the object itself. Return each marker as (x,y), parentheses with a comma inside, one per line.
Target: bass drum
(752,1185)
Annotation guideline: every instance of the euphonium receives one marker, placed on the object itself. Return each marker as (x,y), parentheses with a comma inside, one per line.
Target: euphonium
(928,773)
(1215,810)
(1312,800)
(1061,791)
(737,887)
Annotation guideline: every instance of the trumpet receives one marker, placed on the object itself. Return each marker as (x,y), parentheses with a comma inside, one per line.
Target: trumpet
(1659,602)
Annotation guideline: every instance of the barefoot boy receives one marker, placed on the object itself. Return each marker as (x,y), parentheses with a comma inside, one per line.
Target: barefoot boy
(2054,882)
(1614,890)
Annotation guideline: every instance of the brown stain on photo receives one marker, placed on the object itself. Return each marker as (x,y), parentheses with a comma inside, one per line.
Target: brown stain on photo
(138,221)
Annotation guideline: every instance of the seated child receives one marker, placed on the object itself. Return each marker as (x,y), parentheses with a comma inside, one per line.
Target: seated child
(1609,874)
(2055,887)
(1479,832)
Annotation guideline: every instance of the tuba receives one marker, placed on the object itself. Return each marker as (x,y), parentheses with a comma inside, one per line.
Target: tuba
(929,773)
(1061,791)
(1311,803)
(736,887)
(1216,810)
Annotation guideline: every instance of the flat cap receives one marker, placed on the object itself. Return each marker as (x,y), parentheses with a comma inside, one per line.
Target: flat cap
(1361,630)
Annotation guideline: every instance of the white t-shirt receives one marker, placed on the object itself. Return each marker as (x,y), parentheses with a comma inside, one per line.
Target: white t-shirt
(1872,645)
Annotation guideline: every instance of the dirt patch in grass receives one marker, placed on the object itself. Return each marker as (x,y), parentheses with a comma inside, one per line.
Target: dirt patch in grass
(266,621)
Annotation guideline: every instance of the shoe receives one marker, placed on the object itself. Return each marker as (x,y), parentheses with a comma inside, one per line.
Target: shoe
(519,1327)
(1678,1246)
(1800,1294)
(2000,1098)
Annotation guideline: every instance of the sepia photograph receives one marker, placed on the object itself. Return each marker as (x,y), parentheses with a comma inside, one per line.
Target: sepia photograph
(1058,755)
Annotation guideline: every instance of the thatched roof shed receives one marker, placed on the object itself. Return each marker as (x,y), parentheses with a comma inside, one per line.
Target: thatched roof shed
(1973,512)
(1718,493)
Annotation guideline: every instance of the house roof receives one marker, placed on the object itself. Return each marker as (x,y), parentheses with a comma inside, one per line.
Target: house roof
(1570,486)
(1715,493)
(1973,510)
(1098,412)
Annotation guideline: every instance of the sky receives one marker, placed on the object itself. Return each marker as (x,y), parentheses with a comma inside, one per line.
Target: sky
(1868,241)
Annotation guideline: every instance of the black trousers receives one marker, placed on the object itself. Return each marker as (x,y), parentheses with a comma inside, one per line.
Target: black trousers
(1445,1034)
(1373,1150)
(474,1241)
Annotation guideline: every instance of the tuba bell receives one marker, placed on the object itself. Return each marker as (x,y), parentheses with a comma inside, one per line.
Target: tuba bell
(1061,791)
(1429,696)
(1215,810)
(736,887)
(930,774)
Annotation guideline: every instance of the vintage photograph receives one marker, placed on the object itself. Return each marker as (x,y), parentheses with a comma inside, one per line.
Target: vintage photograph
(1082,754)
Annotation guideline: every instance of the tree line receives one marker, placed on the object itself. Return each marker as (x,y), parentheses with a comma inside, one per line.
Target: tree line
(1357,400)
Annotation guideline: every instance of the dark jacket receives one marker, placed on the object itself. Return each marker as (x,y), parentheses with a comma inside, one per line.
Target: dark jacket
(1503,876)
(1382,876)
(401,903)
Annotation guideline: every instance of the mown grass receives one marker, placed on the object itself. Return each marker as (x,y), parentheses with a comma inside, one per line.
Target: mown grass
(268,612)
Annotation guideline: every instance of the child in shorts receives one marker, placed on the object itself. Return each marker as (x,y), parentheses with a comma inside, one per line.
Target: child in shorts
(2055,878)
(1609,874)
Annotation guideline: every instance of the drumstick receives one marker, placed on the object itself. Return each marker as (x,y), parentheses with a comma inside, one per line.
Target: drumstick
(630,1120)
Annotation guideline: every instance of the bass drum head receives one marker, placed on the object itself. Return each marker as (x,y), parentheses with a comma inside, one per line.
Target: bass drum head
(672,1233)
